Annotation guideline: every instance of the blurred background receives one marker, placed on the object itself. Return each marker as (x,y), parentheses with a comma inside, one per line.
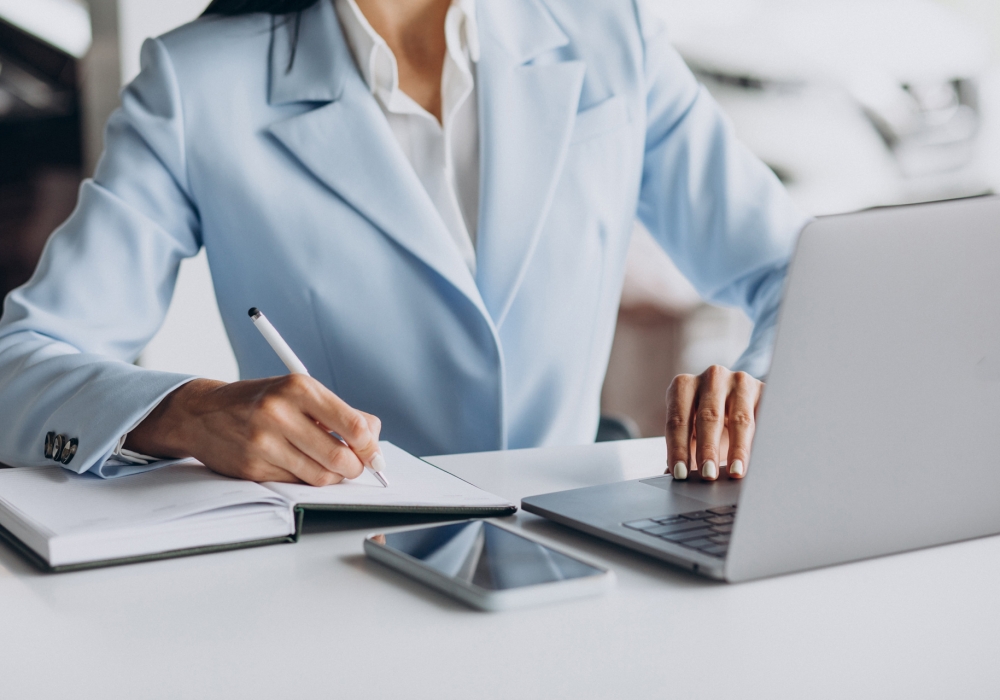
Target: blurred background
(852,103)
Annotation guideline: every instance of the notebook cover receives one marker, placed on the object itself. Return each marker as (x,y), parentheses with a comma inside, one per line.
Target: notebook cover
(40,563)
(480,511)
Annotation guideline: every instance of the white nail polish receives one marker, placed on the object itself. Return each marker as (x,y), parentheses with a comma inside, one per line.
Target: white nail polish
(680,471)
(709,470)
(378,462)
(736,468)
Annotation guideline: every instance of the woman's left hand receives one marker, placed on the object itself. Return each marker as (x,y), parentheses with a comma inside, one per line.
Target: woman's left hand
(711,418)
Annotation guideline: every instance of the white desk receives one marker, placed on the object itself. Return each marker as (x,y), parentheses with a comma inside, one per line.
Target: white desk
(316,619)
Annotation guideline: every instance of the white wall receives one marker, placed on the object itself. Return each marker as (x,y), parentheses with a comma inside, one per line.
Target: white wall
(62,23)
(139,19)
(986,13)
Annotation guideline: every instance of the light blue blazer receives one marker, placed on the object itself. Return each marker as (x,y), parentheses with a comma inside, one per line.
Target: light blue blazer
(293,182)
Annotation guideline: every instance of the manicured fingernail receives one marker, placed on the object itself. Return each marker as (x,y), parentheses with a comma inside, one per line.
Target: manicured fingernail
(378,462)
(736,468)
(709,470)
(680,471)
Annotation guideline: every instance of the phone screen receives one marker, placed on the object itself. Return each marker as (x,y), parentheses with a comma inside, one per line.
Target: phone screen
(487,556)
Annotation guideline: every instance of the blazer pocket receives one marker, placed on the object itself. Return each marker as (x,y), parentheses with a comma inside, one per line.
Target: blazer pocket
(606,116)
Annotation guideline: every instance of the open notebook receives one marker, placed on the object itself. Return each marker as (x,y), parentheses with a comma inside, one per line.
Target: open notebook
(64,521)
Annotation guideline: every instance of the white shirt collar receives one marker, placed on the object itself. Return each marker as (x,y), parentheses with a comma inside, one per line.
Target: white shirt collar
(374,57)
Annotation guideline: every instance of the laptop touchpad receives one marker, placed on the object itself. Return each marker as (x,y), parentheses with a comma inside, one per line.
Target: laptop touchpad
(723,492)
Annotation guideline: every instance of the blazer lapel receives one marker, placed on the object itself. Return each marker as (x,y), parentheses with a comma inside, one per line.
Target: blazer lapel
(347,144)
(527,111)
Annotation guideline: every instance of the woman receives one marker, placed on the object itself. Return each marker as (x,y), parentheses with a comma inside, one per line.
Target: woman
(431,199)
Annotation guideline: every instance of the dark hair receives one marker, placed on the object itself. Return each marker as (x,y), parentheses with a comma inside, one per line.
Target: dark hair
(273,7)
(246,7)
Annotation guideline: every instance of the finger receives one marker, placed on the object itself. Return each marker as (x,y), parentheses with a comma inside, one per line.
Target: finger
(740,420)
(309,471)
(334,414)
(274,448)
(255,470)
(260,470)
(680,404)
(710,417)
(321,447)
(304,443)
(375,426)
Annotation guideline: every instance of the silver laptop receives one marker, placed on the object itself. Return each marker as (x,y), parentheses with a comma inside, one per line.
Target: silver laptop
(879,429)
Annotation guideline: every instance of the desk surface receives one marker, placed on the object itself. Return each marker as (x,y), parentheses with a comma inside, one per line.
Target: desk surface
(317,619)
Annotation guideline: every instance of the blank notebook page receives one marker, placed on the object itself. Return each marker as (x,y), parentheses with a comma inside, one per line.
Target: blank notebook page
(412,483)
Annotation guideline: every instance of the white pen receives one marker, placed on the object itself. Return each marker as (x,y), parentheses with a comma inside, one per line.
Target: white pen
(295,366)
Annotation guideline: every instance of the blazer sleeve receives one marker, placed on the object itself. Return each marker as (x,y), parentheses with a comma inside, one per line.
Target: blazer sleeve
(717,210)
(69,337)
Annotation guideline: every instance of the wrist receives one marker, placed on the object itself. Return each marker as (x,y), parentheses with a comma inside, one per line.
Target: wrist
(171,429)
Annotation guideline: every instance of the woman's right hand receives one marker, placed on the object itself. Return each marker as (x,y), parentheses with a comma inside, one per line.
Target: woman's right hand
(275,429)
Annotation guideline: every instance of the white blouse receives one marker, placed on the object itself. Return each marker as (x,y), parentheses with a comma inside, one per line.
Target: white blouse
(445,156)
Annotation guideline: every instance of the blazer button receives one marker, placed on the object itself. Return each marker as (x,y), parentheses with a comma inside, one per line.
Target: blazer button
(57,445)
(68,451)
(50,440)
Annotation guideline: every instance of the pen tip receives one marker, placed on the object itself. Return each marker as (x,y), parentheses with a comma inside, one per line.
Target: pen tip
(254,312)
(381,478)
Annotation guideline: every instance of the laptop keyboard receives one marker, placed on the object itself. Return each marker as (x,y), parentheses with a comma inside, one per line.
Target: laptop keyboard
(703,530)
